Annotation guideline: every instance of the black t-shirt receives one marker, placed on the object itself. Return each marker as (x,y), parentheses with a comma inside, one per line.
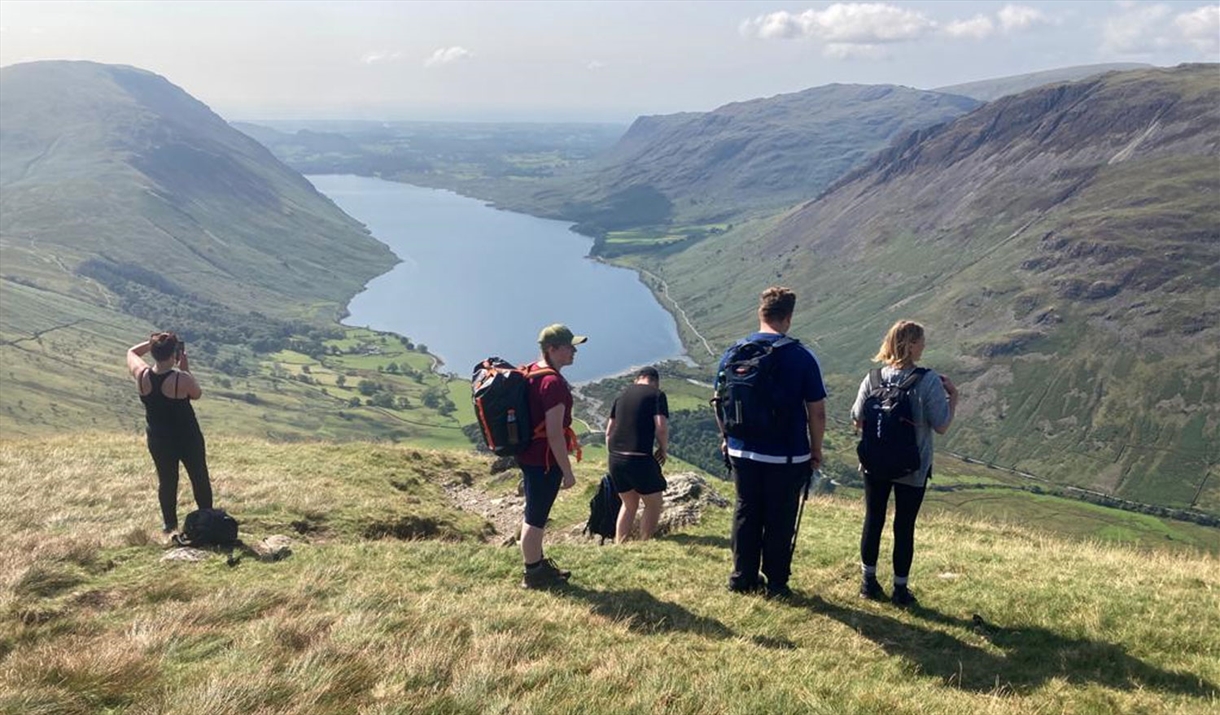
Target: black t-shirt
(633,413)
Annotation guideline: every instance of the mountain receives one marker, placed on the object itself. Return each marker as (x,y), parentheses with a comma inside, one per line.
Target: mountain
(699,167)
(127,205)
(117,164)
(1063,247)
(989,89)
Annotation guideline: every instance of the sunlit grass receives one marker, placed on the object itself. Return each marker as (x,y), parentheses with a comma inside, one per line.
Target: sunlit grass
(356,621)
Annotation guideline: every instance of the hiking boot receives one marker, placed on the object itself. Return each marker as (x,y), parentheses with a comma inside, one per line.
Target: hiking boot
(779,593)
(903,597)
(747,586)
(544,575)
(870,588)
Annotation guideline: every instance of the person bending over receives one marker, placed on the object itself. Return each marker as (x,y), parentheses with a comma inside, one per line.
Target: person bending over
(638,417)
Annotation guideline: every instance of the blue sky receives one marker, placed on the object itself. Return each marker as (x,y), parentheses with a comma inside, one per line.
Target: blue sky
(596,61)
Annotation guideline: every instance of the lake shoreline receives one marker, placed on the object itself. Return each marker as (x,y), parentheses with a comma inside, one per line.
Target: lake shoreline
(642,329)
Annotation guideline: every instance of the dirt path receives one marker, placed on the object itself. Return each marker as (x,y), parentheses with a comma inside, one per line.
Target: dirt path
(681,312)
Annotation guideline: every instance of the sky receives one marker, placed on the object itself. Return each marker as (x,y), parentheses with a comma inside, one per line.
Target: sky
(583,61)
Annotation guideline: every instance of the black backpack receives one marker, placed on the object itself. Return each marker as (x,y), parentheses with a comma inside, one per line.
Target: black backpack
(888,449)
(500,392)
(603,511)
(746,393)
(208,527)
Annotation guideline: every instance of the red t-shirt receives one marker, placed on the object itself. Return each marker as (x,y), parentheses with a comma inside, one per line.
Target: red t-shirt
(545,392)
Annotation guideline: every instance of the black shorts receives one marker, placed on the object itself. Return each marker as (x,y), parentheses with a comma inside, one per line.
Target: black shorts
(639,473)
(541,488)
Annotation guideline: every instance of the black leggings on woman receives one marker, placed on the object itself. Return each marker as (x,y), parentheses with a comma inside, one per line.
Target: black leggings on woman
(907,501)
(167,451)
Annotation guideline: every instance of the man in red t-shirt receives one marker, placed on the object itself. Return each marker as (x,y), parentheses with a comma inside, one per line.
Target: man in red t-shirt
(545,465)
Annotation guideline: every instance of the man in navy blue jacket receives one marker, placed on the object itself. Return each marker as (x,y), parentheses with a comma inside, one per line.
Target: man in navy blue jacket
(771,469)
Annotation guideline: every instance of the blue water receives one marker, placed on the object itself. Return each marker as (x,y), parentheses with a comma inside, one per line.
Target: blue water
(475,281)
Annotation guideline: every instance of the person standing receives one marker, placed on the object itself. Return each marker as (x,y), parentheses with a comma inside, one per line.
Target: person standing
(770,470)
(638,417)
(933,401)
(545,466)
(166,389)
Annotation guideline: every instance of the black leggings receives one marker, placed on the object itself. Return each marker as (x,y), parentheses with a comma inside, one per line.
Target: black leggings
(907,501)
(167,451)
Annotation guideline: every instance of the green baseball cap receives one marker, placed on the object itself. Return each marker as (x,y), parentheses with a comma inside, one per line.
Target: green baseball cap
(558,335)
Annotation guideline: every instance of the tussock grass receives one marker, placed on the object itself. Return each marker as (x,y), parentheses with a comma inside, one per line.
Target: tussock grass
(1013,621)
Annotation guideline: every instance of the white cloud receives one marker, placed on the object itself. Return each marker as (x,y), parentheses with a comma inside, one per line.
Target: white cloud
(446,55)
(1137,30)
(374,57)
(1019,17)
(595,65)
(843,23)
(976,28)
(1201,28)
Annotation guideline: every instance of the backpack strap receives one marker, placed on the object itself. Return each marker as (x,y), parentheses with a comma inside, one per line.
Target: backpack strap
(874,379)
(913,379)
(532,370)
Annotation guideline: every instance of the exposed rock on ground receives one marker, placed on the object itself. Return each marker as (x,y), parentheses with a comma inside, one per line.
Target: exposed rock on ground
(273,548)
(684,502)
(186,553)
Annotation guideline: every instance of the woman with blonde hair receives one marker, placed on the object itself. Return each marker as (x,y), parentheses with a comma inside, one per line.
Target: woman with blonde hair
(932,400)
(166,389)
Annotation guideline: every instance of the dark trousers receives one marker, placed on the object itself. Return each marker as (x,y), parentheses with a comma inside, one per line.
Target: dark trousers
(167,451)
(768,496)
(907,501)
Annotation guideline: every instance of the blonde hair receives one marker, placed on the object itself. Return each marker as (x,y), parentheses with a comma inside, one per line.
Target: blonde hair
(899,343)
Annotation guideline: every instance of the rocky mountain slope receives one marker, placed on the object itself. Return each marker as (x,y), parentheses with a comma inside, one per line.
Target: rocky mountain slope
(745,156)
(1063,248)
(987,90)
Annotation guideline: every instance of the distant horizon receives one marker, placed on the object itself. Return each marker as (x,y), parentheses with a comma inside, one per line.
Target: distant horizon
(548,119)
(598,62)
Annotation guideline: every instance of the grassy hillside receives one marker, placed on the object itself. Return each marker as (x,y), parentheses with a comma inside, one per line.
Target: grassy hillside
(116,164)
(1061,246)
(127,207)
(392,602)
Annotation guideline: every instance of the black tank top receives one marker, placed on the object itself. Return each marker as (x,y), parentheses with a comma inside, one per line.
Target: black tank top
(167,416)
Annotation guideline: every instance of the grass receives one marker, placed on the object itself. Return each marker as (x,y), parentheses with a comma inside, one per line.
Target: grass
(63,370)
(92,621)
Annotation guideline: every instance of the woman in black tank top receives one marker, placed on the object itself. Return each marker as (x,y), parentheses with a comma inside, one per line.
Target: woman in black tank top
(166,389)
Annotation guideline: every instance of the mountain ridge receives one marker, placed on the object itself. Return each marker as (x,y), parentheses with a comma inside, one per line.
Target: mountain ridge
(1062,246)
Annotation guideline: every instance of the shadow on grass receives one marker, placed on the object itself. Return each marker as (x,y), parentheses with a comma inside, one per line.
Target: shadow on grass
(1030,656)
(720,542)
(646,614)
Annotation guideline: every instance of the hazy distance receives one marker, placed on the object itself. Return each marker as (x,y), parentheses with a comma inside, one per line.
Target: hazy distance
(587,61)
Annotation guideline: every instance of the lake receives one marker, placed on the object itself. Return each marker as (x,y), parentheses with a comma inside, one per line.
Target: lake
(475,281)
